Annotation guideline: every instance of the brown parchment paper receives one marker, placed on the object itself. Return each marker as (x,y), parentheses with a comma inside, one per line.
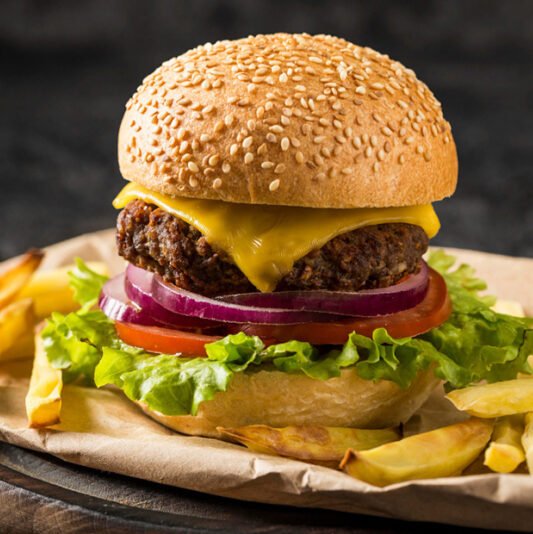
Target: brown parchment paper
(101,429)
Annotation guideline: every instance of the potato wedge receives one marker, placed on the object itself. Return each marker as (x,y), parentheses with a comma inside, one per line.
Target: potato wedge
(495,400)
(51,292)
(505,452)
(16,320)
(443,452)
(316,444)
(16,274)
(527,441)
(43,400)
(509,307)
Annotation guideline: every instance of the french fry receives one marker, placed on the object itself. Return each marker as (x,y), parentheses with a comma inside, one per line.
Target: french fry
(505,452)
(527,441)
(316,444)
(51,292)
(16,274)
(495,400)
(23,348)
(43,400)
(16,319)
(443,452)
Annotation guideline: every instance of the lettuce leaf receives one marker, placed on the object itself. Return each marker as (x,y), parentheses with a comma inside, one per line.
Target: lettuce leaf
(74,342)
(86,284)
(170,385)
(475,344)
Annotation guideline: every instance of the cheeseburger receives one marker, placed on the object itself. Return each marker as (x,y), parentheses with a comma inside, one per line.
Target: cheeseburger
(278,209)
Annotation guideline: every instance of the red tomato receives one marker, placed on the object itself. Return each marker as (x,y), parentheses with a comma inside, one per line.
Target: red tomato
(428,314)
(164,340)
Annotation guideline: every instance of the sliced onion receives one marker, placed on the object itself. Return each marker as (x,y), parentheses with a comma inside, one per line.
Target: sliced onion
(366,303)
(184,302)
(138,287)
(114,303)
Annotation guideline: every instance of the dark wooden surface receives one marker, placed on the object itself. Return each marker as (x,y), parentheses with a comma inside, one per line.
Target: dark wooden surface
(39,493)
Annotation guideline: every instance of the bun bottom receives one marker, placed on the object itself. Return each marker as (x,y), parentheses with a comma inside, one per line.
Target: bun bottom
(279,399)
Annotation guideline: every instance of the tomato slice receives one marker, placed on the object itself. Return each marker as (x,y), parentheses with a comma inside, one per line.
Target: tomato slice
(164,340)
(428,314)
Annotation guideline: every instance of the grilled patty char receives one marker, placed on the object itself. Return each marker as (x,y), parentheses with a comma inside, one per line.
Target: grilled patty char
(367,258)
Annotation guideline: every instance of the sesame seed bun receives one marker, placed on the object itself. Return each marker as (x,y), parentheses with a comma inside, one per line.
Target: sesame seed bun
(288,120)
(280,399)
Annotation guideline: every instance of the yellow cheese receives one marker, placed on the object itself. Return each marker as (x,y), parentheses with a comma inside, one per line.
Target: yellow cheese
(266,241)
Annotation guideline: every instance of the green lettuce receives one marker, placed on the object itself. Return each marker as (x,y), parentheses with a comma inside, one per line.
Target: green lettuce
(74,342)
(475,344)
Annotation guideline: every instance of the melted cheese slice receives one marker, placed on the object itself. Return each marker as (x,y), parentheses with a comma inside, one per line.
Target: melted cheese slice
(265,241)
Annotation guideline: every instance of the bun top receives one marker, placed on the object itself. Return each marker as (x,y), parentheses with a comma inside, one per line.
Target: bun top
(286,119)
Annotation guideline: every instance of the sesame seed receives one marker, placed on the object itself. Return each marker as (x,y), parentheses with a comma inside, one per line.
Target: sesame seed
(368,151)
(420,149)
(381,155)
(247,143)
(271,138)
(299,157)
(193,182)
(374,140)
(193,167)
(285,143)
(213,160)
(347,170)
(276,128)
(409,140)
(262,149)
(280,167)
(360,90)
(226,167)
(248,158)
(386,131)
(233,149)
(274,185)
(267,165)
(228,120)
(217,183)
(356,141)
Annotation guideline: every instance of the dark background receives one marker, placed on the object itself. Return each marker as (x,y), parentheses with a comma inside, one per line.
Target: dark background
(67,69)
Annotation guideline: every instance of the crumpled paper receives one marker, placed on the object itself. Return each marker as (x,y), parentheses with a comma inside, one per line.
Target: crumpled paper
(103,430)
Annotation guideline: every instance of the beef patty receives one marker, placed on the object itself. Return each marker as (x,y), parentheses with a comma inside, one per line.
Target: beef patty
(367,258)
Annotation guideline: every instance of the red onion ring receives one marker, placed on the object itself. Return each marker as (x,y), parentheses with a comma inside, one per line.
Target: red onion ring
(184,302)
(365,303)
(138,287)
(114,302)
